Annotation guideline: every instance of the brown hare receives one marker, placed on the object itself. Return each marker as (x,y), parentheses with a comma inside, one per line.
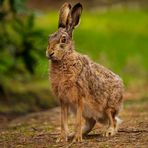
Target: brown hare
(89,89)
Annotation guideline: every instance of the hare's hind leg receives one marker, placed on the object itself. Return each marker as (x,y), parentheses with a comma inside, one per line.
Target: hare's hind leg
(89,124)
(112,128)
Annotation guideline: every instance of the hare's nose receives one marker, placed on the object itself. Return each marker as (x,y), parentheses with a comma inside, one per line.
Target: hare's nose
(51,54)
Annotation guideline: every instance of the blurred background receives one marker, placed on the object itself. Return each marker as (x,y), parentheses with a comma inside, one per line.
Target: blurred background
(113,33)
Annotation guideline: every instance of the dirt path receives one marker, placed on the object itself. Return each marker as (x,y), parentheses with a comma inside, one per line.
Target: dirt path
(40,130)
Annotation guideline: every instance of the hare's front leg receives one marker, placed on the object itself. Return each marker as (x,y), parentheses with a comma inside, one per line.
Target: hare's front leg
(78,124)
(64,123)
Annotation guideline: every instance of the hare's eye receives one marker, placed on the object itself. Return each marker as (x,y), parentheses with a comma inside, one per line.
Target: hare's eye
(63,39)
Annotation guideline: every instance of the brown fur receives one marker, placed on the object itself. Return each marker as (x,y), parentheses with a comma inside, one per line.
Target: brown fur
(89,89)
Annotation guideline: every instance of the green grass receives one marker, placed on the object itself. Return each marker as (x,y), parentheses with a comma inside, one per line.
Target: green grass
(117,39)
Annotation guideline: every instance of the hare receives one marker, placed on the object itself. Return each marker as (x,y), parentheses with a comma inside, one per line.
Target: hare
(93,92)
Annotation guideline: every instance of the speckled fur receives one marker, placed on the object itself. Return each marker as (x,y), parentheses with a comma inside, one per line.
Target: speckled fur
(74,77)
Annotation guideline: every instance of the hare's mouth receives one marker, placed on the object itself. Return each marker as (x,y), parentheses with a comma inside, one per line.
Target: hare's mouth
(51,58)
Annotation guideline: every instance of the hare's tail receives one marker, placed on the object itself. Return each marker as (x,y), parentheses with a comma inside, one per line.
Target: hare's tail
(118,122)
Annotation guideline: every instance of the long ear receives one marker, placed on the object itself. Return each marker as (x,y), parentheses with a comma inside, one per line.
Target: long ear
(75,15)
(64,13)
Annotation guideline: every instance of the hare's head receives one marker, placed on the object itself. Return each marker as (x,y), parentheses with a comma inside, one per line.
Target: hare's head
(60,42)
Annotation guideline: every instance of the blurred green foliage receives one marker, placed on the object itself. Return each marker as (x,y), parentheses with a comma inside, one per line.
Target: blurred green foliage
(18,39)
(20,48)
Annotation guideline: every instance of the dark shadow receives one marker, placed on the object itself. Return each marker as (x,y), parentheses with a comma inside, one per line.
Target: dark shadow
(92,136)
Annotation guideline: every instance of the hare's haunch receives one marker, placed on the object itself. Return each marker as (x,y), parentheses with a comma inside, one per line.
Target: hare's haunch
(89,89)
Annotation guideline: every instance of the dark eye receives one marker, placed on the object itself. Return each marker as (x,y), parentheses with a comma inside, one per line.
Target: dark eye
(63,39)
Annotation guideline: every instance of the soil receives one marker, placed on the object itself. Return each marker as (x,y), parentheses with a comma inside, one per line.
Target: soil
(40,130)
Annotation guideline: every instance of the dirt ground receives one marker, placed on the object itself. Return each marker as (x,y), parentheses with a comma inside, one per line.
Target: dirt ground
(40,130)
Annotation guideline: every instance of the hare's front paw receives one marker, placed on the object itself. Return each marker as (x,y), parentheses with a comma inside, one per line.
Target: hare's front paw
(109,132)
(62,138)
(77,138)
